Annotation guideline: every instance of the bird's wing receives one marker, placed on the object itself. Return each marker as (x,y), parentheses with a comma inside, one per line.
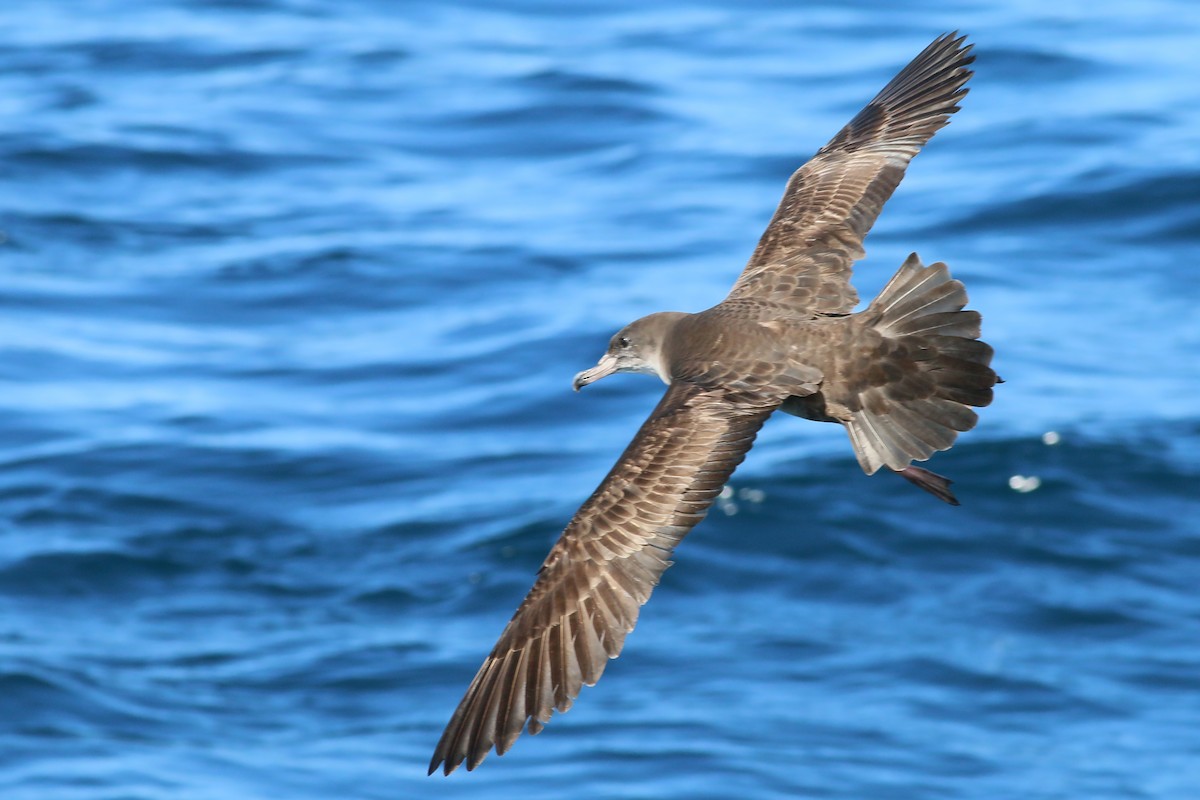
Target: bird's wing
(603,568)
(804,257)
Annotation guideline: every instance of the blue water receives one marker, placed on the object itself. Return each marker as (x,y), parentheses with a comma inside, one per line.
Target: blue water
(292,294)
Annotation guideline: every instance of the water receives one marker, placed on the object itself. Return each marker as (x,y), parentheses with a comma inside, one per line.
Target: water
(292,295)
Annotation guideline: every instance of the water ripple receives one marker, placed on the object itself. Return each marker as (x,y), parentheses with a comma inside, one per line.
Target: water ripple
(293,296)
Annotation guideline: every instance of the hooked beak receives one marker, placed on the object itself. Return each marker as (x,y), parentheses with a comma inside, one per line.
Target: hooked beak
(606,366)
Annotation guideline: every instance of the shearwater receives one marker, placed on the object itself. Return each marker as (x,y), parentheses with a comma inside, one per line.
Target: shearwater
(900,376)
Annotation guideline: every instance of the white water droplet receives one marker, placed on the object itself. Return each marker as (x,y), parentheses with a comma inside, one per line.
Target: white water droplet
(752,495)
(1024,483)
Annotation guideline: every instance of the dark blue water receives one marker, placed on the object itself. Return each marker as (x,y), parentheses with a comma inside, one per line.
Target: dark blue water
(292,293)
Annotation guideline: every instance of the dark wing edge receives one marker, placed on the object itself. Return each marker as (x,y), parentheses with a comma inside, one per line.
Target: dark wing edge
(602,569)
(804,257)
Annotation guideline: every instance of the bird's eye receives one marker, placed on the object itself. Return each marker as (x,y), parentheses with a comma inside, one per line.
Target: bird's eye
(623,341)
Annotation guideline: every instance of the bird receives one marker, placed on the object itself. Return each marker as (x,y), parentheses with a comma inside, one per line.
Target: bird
(901,376)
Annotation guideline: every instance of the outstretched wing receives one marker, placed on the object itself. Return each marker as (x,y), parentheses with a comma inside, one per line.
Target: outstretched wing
(603,568)
(804,257)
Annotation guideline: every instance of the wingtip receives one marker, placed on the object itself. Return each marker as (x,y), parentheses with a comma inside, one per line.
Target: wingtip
(445,765)
(956,39)
(952,52)
(439,760)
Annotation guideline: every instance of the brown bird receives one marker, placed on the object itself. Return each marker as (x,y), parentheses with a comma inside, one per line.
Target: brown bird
(899,375)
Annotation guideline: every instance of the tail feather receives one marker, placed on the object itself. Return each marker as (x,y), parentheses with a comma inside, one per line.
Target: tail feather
(949,323)
(918,394)
(966,382)
(913,285)
(928,297)
(939,410)
(868,444)
(965,349)
(931,433)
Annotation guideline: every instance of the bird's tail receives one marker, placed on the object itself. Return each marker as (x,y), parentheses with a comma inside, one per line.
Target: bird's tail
(929,369)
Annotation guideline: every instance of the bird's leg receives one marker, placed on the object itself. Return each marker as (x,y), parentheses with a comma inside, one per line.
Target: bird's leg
(936,485)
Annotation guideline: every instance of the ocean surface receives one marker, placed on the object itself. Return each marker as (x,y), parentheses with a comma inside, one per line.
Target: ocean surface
(291,296)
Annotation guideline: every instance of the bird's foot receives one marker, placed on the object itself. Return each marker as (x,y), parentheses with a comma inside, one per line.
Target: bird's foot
(936,485)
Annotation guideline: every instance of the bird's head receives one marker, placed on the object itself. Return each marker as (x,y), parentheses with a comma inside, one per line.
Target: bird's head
(638,347)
